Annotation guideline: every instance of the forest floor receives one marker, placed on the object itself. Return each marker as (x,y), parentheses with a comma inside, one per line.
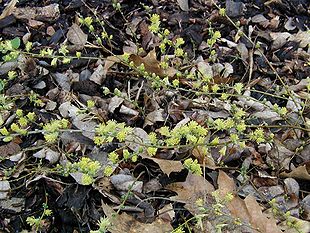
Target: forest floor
(155,116)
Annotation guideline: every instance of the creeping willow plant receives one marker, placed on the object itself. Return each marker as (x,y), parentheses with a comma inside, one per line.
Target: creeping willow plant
(194,82)
(191,134)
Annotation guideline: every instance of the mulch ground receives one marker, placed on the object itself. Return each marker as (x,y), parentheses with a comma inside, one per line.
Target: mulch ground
(163,193)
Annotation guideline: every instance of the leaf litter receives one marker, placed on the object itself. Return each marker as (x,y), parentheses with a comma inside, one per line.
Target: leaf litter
(161,193)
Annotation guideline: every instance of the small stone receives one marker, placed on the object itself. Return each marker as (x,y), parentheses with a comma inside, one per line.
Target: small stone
(50,31)
(85,75)
(40,85)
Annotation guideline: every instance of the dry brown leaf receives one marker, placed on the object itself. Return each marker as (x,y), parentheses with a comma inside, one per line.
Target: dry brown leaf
(236,206)
(207,160)
(193,188)
(220,80)
(247,210)
(76,36)
(8,9)
(300,172)
(121,223)
(35,23)
(8,149)
(153,117)
(108,63)
(225,183)
(150,62)
(259,220)
(168,166)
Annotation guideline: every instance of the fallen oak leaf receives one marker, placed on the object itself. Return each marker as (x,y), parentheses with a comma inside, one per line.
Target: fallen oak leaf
(191,189)
(152,65)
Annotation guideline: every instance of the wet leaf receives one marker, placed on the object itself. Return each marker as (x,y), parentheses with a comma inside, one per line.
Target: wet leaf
(115,102)
(4,189)
(13,204)
(234,9)
(128,111)
(302,37)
